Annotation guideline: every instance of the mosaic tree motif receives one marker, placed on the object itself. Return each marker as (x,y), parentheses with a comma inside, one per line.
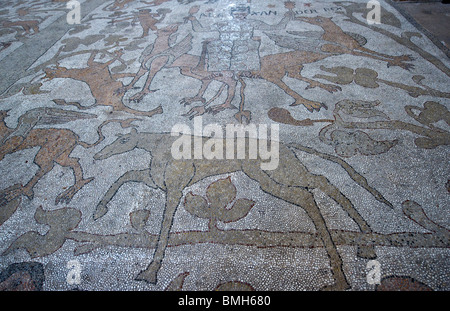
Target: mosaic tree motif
(219,204)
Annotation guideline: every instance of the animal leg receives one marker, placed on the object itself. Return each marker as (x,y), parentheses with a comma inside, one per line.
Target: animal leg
(243,113)
(145,30)
(156,65)
(313,84)
(35,28)
(322,183)
(121,107)
(121,91)
(177,176)
(62,102)
(231,92)
(135,176)
(200,110)
(309,104)
(399,58)
(44,168)
(304,199)
(391,61)
(66,161)
(199,97)
(150,273)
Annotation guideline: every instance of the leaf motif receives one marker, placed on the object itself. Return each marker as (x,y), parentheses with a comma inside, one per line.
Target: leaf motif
(139,218)
(418,79)
(194,9)
(197,206)
(61,222)
(366,77)
(119,68)
(343,75)
(239,210)
(221,193)
(415,212)
(114,39)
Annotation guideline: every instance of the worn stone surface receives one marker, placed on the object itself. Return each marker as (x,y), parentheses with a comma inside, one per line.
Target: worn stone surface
(92,197)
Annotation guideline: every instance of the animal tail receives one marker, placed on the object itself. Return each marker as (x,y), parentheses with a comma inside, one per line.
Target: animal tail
(123,123)
(358,178)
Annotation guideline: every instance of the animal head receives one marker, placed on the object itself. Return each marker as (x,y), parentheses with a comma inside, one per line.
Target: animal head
(52,73)
(122,144)
(315,20)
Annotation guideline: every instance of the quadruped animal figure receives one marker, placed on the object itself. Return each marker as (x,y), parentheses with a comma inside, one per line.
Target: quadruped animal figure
(56,145)
(307,47)
(291,182)
(102,83)
(310,47)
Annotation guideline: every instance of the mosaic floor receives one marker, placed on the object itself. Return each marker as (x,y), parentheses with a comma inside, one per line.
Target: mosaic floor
(93,197)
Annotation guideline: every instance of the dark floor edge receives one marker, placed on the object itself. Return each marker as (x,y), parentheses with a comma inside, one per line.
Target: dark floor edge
(421,28)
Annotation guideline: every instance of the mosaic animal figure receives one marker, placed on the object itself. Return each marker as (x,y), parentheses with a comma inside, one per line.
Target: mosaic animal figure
(161,54)
(236,50)
(156,56)
(291,181)
(118,5)
(102,83)
(310,47)
(197,67)
(339,42)
(56,145)
(146,19)
(27,26)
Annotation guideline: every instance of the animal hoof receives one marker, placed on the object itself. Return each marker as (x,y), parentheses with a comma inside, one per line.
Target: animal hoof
(137,98)
(195,111)
(148,276)
(243,114)
(158,110)
(331,88)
